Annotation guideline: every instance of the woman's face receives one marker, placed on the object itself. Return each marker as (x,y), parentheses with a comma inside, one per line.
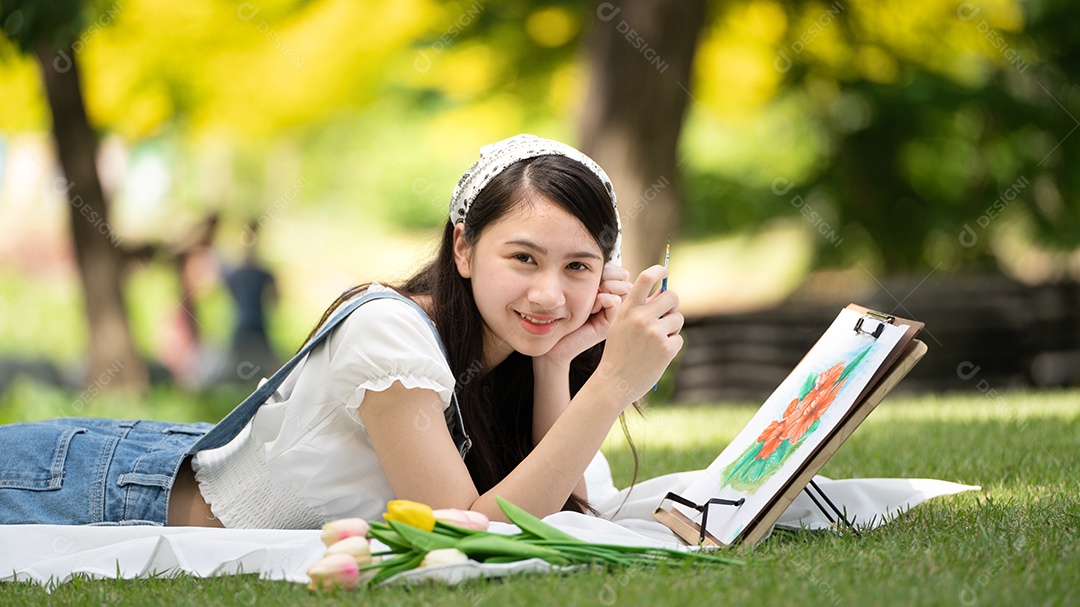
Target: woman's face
(535,274)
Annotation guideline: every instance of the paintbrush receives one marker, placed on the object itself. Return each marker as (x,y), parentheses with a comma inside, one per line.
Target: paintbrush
(667,259)
(663,283)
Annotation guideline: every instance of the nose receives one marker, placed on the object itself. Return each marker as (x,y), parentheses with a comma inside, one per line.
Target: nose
(546,291)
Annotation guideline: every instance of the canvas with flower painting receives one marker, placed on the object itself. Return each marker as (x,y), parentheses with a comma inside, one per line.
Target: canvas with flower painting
(801,414)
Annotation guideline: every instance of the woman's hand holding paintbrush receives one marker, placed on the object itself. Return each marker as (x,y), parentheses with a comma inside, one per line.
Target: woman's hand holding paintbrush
(643,338)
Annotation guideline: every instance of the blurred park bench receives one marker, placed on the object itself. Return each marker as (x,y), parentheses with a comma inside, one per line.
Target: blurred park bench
(984,333)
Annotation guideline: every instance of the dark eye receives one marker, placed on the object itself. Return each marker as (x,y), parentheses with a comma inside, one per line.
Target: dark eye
(523,257)
(577,266)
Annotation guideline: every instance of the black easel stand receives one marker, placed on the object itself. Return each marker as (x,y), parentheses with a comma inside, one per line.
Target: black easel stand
(839,515)
(703,508)
(716,501)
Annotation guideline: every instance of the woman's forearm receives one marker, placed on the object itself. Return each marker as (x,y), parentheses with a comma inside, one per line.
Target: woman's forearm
(545,478)
(551,395)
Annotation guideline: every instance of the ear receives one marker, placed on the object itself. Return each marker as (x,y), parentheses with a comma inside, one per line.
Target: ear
(462,251)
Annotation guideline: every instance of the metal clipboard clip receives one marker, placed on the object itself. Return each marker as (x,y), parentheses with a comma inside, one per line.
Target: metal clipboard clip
(879,318)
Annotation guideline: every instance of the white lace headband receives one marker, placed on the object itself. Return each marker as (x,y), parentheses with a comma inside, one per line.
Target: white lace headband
(497,157)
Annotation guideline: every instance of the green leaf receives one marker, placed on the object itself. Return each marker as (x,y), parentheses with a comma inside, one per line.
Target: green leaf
(498,560)
(423,541)
(483,547)
(390,562)
(807,386)
(639,554)
(588,553)
(532,525)
(451,530)
(391,538)
(392,568)
(851,366)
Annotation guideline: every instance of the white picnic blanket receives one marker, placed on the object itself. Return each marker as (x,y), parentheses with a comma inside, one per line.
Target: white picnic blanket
(52,554)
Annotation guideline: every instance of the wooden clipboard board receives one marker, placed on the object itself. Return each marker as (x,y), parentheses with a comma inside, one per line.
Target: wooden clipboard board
(900,361)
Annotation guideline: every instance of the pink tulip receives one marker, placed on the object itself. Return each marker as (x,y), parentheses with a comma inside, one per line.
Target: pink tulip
(464,519)
(335,531)
(335,571)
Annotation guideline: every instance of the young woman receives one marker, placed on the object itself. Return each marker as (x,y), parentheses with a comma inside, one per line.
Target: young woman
(484,374)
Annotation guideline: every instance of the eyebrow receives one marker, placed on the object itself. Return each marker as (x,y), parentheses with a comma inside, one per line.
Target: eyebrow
(541,250)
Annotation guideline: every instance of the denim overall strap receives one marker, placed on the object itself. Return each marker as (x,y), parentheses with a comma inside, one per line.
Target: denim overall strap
(234,422)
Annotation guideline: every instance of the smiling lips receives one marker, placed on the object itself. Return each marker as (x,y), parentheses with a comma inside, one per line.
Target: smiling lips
(538,325)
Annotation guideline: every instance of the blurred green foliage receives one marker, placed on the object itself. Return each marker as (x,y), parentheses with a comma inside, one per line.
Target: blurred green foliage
(895,133)
(26,401)
(938,129)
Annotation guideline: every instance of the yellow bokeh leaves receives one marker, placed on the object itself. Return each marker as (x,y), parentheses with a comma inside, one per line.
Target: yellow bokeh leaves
(764,20)
(235,69)
(22,106)
(747,51)
(733,67)
(552,26)
(255,69)
(876,64)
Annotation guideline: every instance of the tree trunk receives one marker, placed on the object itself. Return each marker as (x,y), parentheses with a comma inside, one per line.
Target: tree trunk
(640,55)
(113,360)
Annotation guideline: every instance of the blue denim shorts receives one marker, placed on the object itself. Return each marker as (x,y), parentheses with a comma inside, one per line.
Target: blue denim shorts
(83,471)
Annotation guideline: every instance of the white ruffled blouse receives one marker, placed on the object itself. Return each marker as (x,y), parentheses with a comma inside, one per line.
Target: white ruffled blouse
(305,458)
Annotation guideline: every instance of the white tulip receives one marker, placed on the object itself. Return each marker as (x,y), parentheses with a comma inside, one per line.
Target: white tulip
(355,546)
(444,556)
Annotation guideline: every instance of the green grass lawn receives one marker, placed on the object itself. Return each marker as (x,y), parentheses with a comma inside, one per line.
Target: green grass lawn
(1013,543)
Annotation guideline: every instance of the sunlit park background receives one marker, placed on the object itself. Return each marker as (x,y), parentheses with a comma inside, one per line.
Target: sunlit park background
(798,153)
(918,157)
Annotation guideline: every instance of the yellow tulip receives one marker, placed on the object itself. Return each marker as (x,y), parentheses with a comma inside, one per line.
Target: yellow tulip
(410,513)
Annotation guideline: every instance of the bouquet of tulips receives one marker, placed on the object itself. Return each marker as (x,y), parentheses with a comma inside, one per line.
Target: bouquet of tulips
(418,537)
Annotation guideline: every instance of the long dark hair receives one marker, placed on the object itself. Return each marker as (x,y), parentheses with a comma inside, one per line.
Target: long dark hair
(497,406)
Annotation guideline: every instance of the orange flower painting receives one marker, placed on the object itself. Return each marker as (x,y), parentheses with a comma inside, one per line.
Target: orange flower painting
(780,439)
